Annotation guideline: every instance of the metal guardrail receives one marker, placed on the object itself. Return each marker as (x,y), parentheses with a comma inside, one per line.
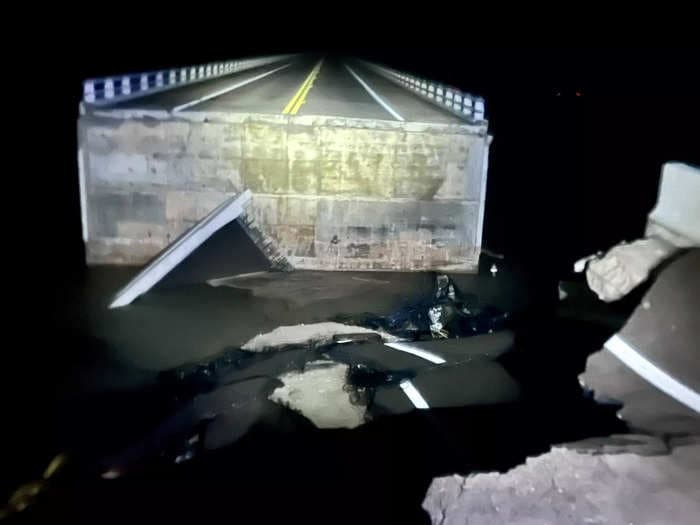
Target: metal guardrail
(464,105)
(108,90)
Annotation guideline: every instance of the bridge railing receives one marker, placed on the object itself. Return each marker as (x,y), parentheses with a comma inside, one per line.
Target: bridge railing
(108,90)
(469,107)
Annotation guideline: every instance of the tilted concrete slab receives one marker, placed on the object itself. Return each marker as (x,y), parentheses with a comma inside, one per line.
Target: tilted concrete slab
(223,214)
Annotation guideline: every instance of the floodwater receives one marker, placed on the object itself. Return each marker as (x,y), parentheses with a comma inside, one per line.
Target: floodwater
(286,469)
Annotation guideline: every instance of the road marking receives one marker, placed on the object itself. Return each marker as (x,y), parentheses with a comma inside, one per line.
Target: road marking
(652,373)
(299,97)
(226,90)
(374,95)
(414,395)
(409,349)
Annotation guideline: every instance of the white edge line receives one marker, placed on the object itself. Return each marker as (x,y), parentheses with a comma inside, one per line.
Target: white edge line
(414,395)
(226,90)
(226,212)
(652,373)
(428,356)
(376,97)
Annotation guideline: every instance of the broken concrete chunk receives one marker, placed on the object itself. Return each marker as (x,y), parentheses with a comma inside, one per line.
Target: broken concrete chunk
(565,486)
(673,223)
(319,393)
(312,334)
(626,266)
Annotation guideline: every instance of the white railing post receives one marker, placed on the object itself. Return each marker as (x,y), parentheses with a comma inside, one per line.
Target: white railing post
(126,85)
(479,109)
(109,88)
(89,91)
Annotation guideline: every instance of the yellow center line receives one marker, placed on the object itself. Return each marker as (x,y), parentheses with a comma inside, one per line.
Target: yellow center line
(300,96)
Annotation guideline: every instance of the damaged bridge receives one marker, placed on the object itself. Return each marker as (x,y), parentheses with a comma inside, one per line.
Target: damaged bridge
(350,165)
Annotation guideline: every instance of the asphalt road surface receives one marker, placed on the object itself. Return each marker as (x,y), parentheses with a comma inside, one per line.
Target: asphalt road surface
(301,86)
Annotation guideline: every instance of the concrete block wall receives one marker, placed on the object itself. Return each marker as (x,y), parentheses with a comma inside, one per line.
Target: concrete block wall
(335,194)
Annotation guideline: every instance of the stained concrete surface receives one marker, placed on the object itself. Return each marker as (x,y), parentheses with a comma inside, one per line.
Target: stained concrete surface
(571,487)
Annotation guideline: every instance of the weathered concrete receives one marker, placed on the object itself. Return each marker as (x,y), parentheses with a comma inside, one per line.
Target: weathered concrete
(226,212)
(565,486)
(334,193)
(320,394)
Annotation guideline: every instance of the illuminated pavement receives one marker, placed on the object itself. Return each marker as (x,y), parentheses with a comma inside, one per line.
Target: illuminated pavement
(301,86)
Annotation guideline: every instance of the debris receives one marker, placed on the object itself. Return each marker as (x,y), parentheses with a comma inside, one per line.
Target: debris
(674,223)
(436,327)
(319,393)
(444,288)
(626,266)
(567,486)
(306,334)
(444,315)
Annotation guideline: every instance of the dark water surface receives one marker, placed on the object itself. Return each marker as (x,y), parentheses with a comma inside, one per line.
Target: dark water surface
(285,469)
